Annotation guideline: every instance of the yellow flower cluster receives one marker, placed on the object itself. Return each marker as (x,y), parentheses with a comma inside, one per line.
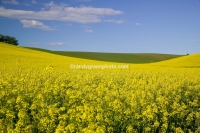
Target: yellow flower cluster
(39,93)
(136,100)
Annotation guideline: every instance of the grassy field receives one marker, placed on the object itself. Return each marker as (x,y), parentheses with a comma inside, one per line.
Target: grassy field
(115,57)
(45,93)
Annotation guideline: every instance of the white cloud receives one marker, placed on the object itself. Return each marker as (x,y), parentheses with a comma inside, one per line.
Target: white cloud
(89,30)
(137,24)
(114,21)
(35,24)
(33,1)
(69,24)
(10,2)
(56,43)
(62,12)
(30,2)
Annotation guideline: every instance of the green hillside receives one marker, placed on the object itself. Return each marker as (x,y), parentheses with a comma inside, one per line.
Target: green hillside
(11,55)
(137,58)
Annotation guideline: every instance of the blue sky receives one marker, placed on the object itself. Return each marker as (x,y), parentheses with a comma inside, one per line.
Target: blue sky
(125,26)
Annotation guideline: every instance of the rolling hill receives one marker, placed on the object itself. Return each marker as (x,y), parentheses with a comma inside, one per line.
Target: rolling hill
(26,58)
(29,56)
(136,58)
(40,92)
(192,60)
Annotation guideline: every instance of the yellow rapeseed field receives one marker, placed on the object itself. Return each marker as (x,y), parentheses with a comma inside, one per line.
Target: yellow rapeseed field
(46,93)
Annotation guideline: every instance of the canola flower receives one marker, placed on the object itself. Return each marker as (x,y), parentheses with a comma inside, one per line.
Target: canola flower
(89,101)
(49,97)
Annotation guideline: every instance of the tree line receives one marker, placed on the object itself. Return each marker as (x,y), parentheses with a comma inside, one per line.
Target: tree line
(8,39)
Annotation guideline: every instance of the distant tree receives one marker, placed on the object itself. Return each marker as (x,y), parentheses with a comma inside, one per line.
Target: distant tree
(9,39)
(187,54)
(13,41)
(2,38)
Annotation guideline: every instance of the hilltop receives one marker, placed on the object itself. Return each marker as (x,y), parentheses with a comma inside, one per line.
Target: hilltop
(192,60)
(31,56)
(135,58)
